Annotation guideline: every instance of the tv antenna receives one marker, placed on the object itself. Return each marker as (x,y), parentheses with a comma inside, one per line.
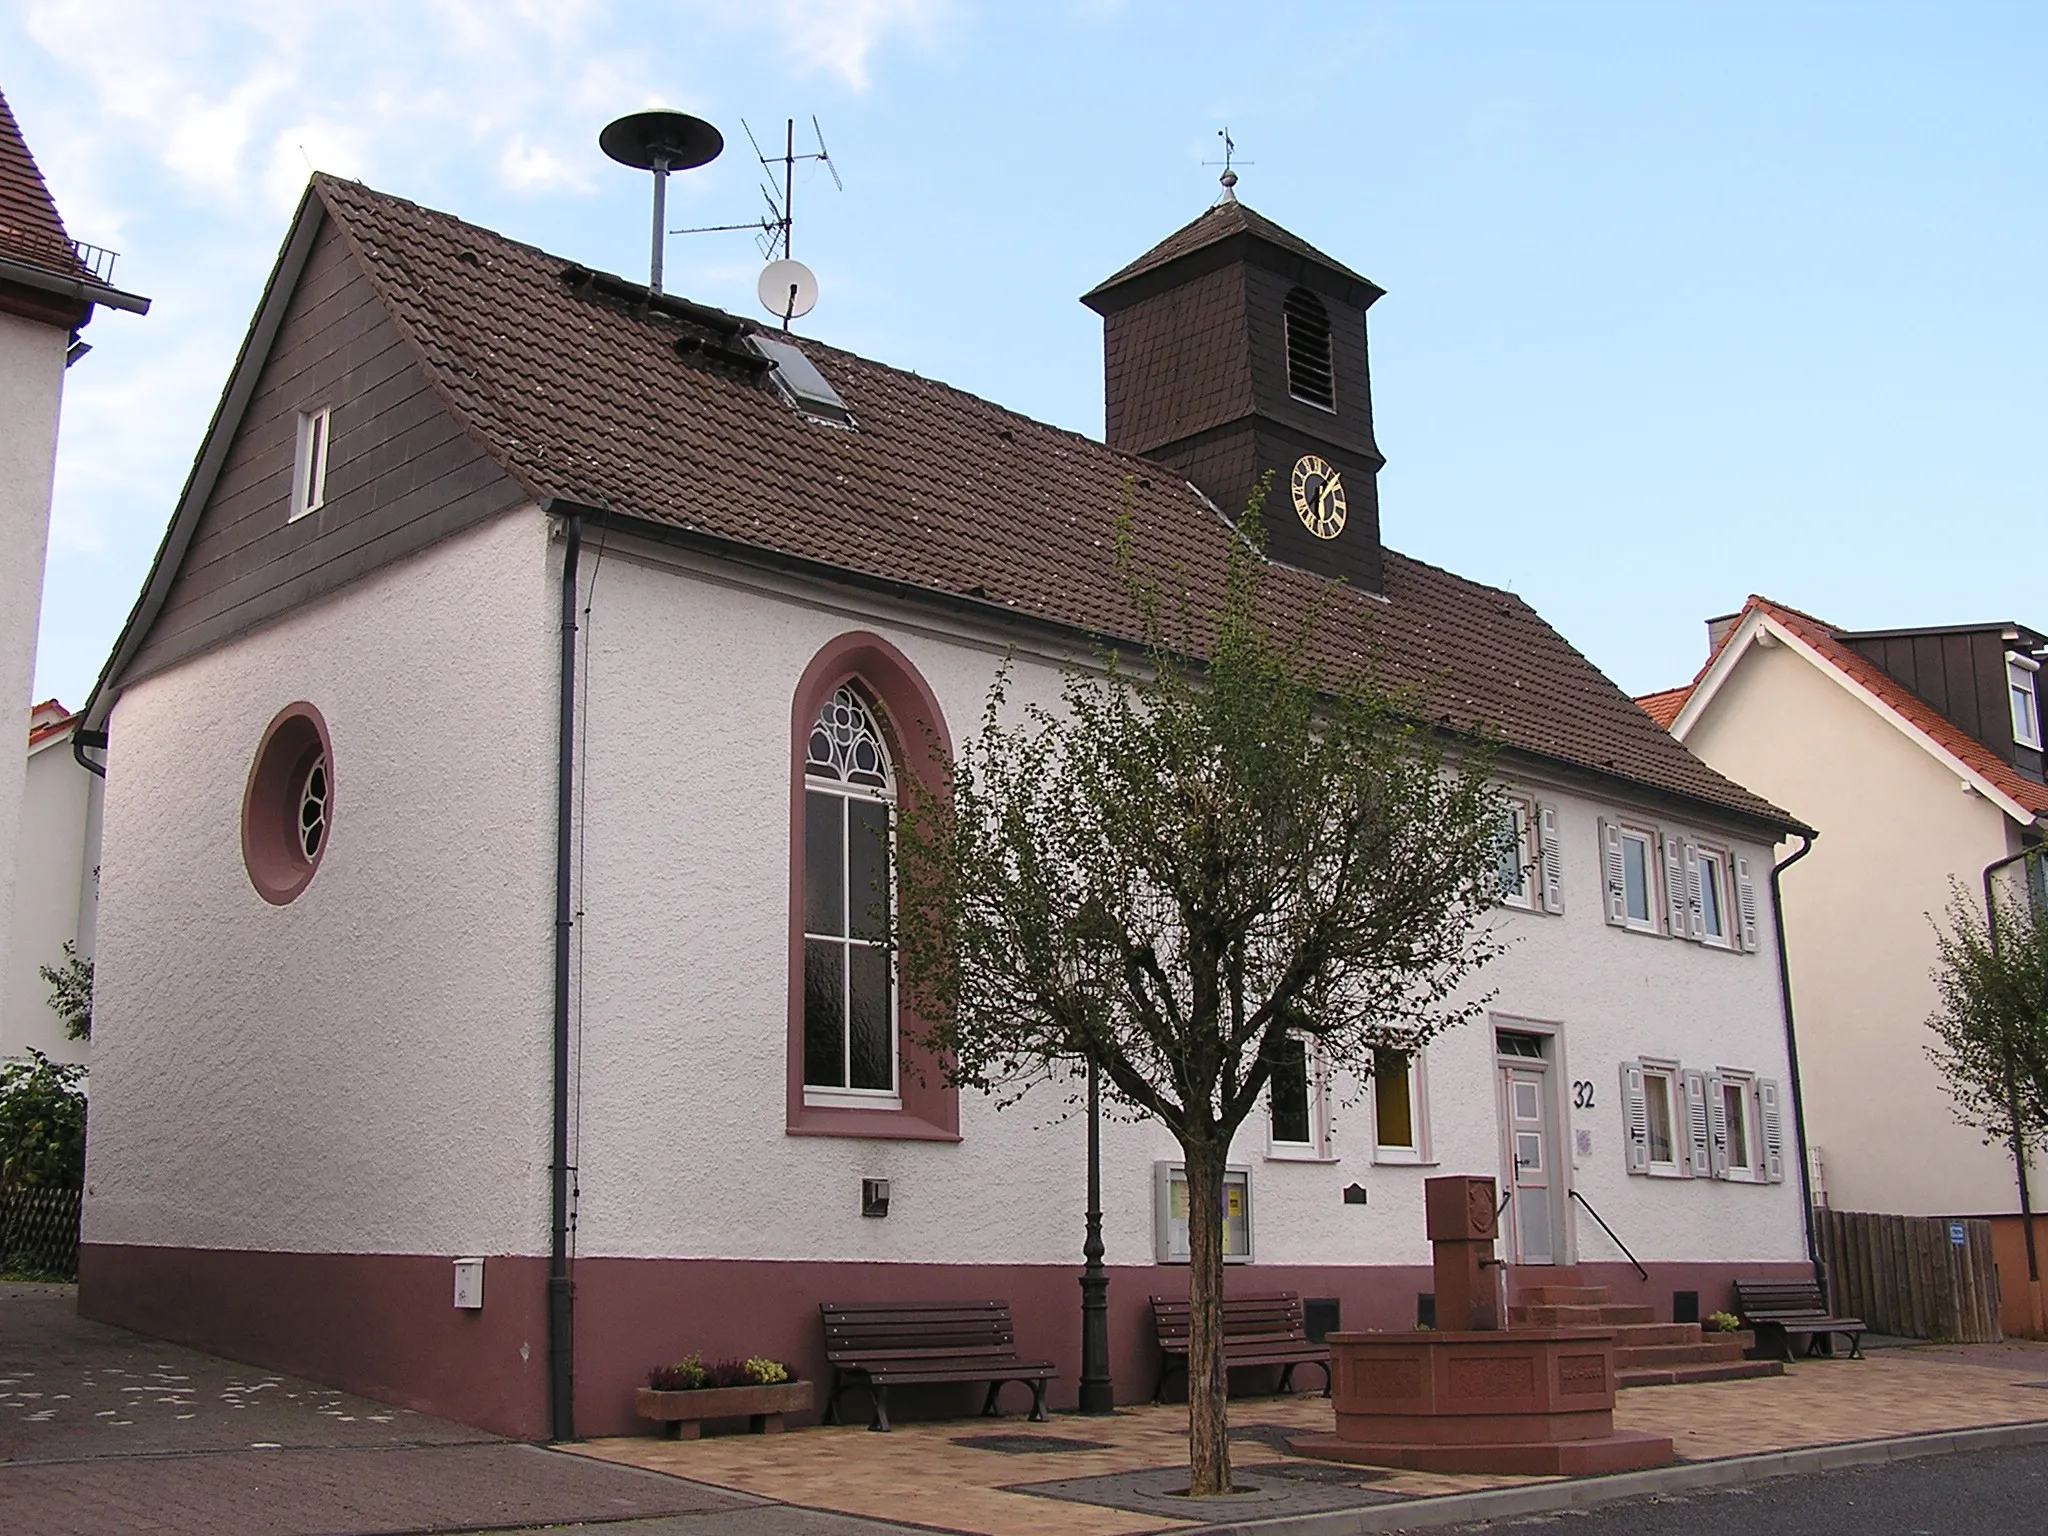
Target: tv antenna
(787,288)
(660,142)
(1229,176)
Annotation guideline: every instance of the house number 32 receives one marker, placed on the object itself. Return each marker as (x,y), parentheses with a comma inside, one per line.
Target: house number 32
(1582,1095)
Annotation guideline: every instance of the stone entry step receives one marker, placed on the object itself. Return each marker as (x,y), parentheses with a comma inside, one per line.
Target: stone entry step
(1647,1353)
(1681,1375)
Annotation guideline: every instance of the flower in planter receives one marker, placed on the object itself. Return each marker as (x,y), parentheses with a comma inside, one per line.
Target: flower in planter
(686,1375)
(766,1372)
(1723,1322)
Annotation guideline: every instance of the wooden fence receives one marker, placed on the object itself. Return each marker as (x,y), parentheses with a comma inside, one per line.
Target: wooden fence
(1907,1275)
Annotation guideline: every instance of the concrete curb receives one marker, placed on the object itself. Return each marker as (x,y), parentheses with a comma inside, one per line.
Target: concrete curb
(1587,1493)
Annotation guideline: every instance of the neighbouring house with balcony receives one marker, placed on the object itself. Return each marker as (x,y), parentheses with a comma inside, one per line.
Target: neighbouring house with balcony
(1917,753)
(50,286)
(505,590)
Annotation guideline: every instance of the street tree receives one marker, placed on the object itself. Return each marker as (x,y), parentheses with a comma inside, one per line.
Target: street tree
(1203,856)
(1991,1023)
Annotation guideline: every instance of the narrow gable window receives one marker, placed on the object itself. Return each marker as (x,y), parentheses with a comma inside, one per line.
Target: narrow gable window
(309,463)
(1309,377)
(1288,1095)
(2026,714)
(1399,1111)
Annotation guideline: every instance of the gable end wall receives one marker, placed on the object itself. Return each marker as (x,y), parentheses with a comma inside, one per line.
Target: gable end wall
(402,473)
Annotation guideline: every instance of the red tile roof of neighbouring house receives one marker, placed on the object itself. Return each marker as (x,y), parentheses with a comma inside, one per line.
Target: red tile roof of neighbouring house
(31,229)
(1822,637)
(47,719)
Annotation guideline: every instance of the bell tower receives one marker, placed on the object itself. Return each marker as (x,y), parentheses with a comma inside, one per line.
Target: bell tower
(1233,349)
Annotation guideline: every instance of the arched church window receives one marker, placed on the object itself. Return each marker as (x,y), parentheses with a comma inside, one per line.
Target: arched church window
(849,999)
(1309,375)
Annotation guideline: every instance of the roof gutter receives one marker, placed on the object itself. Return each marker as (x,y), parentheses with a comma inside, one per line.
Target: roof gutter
(561,1297)
(1806,841)
(28,275)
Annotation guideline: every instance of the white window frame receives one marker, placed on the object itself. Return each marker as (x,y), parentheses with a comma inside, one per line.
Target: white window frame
(1749,1171)
(1710,862)
(1418,1155)
(2020,679)
(1667,1073)
(1521,811)
(817,1096)
(1317,1148)
(1631,832)
(1170,1235)
(310,453)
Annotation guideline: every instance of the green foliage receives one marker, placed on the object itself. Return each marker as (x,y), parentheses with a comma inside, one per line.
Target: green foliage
(686,1375)
(765,1372)
(1182,867)
(42,1124)
(1991,1027)
(1723,1322)
(71,992)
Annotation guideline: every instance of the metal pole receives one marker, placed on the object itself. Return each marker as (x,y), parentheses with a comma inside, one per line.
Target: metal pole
(2012,1092)
(561,1294)
(1097,1395)
(1806,841)
(660,218)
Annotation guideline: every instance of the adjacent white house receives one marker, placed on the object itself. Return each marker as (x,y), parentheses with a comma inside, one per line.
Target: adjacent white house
(1917,754)
(49,287)
(500,734)
(56,896)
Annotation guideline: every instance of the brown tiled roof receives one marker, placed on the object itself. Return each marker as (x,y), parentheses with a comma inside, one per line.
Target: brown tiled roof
(1867,674)
(1220,223)
(584,398)
(30,228)
(47,719)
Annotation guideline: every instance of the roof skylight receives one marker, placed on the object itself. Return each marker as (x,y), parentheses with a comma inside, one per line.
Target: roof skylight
(798,378)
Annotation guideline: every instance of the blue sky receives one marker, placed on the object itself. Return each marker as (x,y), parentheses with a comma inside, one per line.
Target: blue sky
(1684,301)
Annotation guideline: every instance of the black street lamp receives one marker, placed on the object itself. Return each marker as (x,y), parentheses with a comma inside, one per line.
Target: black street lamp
(1096,1393)
(2019,1149)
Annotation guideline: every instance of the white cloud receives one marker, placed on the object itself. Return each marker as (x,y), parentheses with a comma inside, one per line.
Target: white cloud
(837,36)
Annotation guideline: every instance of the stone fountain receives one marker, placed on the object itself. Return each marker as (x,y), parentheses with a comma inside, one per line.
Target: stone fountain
(1473,1396)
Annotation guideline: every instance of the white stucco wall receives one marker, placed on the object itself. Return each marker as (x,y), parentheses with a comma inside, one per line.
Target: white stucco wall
(1896,826)
(683,942)
(31,389)
(365,1069)
(55,893)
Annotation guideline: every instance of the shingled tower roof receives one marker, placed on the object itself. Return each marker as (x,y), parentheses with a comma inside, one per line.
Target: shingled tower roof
(31,229)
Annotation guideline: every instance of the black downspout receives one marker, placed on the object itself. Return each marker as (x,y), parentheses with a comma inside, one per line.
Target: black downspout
(561,1301)
(80,740)
(1806,840)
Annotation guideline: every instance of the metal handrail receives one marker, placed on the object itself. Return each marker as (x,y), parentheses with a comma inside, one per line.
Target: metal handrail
(1610,1232)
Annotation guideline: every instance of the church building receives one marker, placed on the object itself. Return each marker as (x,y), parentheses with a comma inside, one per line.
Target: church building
(481,1017)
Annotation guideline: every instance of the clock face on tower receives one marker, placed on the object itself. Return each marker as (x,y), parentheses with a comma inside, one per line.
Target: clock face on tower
(1318,496)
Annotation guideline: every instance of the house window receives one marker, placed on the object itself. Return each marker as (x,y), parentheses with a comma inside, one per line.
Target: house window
(309,463)
(1735,1112)
(849,981)
(1658,1103)
(1710,869)
(1629,863)
(2026,715)
(1655,1115)
(1399,1107)
(1288,1091)
(1309,377)
(288,805)
(1518,854)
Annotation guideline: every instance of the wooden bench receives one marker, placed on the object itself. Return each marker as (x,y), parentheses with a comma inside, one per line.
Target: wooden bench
(1780,1310)
(882,1344)
(1265,1329)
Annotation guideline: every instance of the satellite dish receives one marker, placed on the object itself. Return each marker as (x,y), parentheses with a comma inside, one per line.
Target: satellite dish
(787,289)
(661,141)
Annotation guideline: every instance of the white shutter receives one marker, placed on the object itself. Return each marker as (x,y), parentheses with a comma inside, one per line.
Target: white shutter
(1678,909)
(1717,1125)
(1610,865)
(1699,1135)
(1774,1130)
(1635,1115)
(1745,904)
(1695,910)
(1548,861)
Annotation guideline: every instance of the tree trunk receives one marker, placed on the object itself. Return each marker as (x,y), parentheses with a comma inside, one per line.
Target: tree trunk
(1208,1381)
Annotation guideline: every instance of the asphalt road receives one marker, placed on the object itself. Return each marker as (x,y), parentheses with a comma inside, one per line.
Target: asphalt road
(1986,1493)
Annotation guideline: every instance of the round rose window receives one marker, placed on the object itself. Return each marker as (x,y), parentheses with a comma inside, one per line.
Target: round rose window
(288,807)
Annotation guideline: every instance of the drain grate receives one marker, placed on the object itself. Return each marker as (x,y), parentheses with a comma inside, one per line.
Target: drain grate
(1319,1472)
(1028,1445)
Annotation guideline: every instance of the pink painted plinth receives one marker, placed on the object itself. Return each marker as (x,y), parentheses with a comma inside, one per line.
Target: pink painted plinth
(1527,1401)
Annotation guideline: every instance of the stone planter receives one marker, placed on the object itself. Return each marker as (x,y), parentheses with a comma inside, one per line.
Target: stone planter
(682,1414)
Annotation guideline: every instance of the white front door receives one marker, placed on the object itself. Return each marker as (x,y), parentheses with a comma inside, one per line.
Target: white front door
(1531,1160)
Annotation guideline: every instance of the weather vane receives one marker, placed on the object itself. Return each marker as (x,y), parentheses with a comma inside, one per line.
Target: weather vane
(1229,176)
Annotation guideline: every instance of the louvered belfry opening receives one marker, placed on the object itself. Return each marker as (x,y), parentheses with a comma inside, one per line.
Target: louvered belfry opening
(1308,350)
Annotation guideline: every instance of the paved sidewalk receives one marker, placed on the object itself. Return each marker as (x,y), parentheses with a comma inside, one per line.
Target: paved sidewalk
(105,1432)
(1115,1477)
